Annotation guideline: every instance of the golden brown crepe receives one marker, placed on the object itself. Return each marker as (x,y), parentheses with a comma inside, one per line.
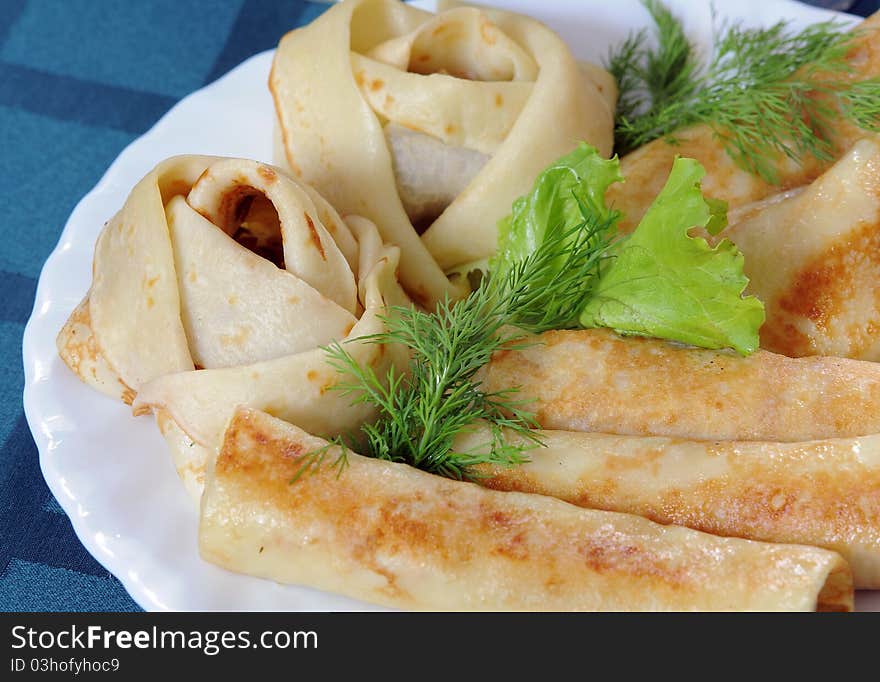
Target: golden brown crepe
(396,536)
(647,168)
(813,257)
(217,284)
(595,380)
(467,81)
(824,492)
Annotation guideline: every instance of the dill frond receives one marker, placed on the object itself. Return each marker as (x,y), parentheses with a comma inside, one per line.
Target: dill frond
(423,410)
(767,93)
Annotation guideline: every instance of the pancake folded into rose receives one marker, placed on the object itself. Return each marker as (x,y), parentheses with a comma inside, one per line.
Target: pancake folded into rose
(217,284)
(432,124)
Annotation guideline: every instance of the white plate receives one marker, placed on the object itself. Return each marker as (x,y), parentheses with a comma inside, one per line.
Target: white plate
(110,471)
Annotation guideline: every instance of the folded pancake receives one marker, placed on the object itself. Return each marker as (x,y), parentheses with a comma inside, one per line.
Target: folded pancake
(823,297)
(498,94)
(231,276)
(595,380)
(104,341)
(297,387)
(171,291)
(393,535)
(823,492)
(647,168)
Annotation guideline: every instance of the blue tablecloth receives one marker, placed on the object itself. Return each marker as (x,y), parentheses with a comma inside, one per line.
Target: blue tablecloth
(79,80)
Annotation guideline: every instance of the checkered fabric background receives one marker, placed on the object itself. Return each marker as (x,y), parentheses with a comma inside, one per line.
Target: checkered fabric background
(79,80)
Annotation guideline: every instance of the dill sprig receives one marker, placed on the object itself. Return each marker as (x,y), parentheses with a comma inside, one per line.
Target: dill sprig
(422,410)
(767,93)
(311,461)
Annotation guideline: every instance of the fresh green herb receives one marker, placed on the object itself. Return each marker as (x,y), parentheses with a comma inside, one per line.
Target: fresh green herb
(558,251)
(422,411)
(648,80)
(312,461)
(552,246)
(767,93)
(665,284)
(567,196)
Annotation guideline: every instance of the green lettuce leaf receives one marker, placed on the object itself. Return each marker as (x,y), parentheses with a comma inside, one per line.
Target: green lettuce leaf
(666,284)
(556,204)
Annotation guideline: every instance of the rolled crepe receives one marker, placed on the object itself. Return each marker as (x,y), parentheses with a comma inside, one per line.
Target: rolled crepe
(491,82)
(595,380)
(231,268)
(824,492)
(390,534)
(647,168)
(822,297)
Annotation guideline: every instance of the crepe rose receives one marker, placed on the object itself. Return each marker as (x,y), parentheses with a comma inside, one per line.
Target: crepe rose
(216,285)
(441,121)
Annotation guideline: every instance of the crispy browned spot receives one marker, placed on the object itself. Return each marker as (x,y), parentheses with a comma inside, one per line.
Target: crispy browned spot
(836,595)
(753,499)
(593,380)
(282,122)
(267,174)
(315,237)
(234,206)
(821,291)
(499,100)
(377,84)
(128,394)
(311,375)
(449,129)
(487,31)
(373,515)
(359,78)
